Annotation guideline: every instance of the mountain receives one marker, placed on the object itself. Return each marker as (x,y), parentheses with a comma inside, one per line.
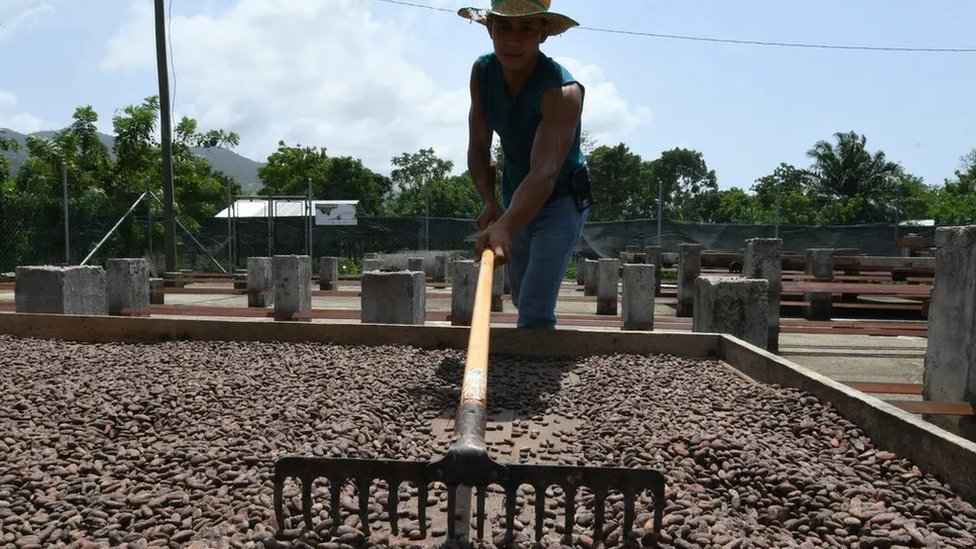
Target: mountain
(242,169)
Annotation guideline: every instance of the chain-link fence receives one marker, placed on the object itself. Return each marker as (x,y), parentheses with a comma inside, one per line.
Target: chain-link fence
(34,229)
(32,233)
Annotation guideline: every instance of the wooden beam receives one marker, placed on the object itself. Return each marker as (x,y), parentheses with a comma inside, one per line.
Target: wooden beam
(935,408)
(886,388)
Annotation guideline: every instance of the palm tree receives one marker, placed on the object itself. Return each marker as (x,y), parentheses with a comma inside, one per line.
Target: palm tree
(848,171)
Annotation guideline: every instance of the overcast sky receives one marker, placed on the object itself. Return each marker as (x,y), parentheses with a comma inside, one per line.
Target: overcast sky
(371,79)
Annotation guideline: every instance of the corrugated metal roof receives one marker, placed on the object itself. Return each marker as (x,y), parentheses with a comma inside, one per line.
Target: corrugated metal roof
(279,208)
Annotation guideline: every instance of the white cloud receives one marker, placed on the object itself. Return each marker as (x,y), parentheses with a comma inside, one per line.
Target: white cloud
(15,14)
(133,46)
(21,122)
(608,117)
(319,73)
(327,73)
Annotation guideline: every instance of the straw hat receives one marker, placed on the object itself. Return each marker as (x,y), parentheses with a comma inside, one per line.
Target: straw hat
(558,23)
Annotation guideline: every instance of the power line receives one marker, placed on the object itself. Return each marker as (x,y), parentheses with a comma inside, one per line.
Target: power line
(782,44)
(734,41)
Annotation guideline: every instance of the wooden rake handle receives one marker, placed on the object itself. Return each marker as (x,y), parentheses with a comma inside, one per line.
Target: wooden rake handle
(474,386)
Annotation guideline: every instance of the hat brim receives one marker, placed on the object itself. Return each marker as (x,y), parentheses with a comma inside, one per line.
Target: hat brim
(558,23)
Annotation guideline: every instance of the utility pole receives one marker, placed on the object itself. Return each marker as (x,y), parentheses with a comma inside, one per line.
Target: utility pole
(166,130)
(426,213)
(660,209)
(779,183)
(309,221)
(64,190)
(230,227)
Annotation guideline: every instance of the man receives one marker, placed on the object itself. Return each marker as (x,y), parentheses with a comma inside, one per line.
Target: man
(534,105)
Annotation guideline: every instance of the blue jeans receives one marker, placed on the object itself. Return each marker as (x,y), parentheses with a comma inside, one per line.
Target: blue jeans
(540,253)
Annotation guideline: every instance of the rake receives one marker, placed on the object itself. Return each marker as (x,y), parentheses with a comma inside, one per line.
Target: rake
(467,465)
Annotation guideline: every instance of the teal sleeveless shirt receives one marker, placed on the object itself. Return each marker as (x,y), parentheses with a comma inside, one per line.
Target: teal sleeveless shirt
(515,120)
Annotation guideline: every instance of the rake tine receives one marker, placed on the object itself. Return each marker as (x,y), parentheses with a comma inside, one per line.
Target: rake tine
(599,500)
(570,493)
(480,512)
(540,511)
(658,507)
(422,507)
(451,511)
(628,510)
(511,494)
(363,485)
(392,498)
(279,505)
(335,490)
(307,501)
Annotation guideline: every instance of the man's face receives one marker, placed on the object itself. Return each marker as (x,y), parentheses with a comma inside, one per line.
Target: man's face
(517,40)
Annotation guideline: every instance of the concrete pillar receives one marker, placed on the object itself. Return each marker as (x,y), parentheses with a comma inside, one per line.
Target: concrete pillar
(589,277)
(463,285)
(763,259)
(653,257)
(638,297)
(328,273)
(371,264)
(580,271)
(819,263)
(608,276)
(440,268)
(157,294)
(950,356)
(415,264)
(397,297)
(689,268)
(292,276)
(60,290)
(735,306)
(126,284)
(497,289)
(259,281)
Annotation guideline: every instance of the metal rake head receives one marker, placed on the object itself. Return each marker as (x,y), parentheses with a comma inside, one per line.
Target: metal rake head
(600,481)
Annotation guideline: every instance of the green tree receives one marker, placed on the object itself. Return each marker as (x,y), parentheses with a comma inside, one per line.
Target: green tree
(955,201)
(851,182)
(621,182)
(796,204)
(6,145)
(200,191)
(289,169)
(737,206)
(914,199)
(346,178)
(690,188)
(423,176)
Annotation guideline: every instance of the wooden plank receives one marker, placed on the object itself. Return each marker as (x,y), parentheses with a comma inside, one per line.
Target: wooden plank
(886,388)
(918,306)
(909,290)
(935,408)
(504,340)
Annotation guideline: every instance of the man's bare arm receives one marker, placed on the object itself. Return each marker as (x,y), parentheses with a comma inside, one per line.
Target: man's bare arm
(479,145)
(553,139)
